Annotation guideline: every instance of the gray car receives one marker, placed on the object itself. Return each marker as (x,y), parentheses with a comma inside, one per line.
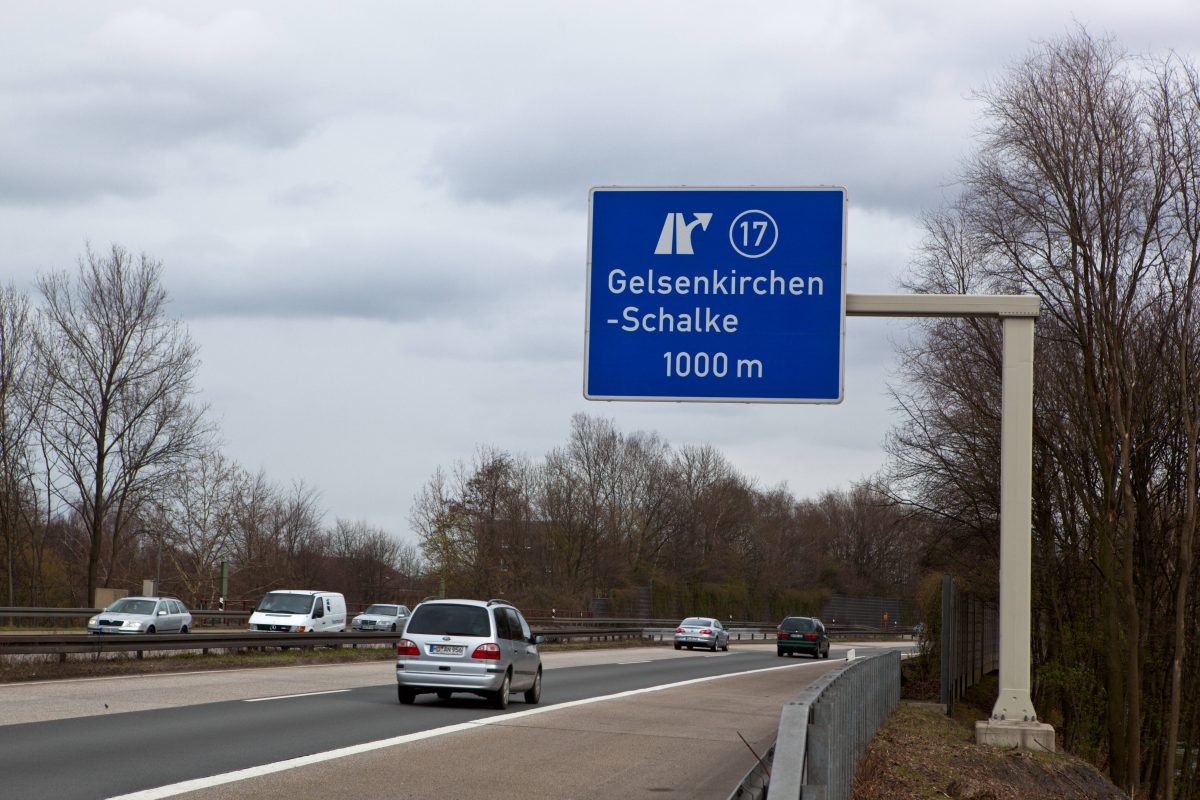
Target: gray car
(142,615)
(701,632)
(471,646)
(381,617)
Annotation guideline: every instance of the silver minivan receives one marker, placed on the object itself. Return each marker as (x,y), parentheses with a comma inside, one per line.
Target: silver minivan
(474,646)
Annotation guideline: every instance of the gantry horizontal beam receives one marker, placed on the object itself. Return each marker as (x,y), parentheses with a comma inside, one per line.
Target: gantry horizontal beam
(942,305)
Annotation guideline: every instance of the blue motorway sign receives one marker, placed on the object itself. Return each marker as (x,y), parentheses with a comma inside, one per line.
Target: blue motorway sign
(720,295)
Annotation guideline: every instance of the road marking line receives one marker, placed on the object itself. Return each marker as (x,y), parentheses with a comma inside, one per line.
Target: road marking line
(316,758)
(290,696)
(214,672)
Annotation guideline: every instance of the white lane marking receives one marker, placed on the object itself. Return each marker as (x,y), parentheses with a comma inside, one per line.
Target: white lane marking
(290,696)
(213,672)
(626,663)
(316,758)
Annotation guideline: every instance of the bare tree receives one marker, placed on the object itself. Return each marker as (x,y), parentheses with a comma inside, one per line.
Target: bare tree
(122,417)
(196,521)
(18,417)
(1177,102)
(369,560)
(1084,194)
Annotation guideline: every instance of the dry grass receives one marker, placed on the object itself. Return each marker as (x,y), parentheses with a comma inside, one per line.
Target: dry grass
(921,753)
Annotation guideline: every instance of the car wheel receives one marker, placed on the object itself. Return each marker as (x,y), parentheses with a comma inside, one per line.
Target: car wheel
(405,695)
(534,695)
(150,629)
(393,627)
(779,653)
(678,647)
(500,697)
(713,646)
(725,646)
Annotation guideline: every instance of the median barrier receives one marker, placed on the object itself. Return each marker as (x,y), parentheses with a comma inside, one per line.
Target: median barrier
(824,731)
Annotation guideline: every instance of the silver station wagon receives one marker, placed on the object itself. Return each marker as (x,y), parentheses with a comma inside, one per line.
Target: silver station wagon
(142,615)
(472,646)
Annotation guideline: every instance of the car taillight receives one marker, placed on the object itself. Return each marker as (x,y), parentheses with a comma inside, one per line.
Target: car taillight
(487,652)
(407,647)
(680,630)
(780,634)
(810,636)
(707,631)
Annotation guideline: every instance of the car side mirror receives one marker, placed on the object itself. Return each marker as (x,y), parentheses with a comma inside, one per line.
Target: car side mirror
(537,638)
(162,612)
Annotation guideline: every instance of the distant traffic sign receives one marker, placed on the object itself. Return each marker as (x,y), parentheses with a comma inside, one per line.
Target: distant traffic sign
(720,295)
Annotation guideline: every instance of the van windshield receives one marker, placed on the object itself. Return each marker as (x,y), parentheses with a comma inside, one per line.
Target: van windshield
(286,603)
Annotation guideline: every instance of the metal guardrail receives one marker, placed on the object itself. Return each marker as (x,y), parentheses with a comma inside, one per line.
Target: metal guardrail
(754,785)
(63,644)
(556,623)
(824,730)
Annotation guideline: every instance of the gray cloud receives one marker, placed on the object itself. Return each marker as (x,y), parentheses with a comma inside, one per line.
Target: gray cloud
(117,115)
(375,215)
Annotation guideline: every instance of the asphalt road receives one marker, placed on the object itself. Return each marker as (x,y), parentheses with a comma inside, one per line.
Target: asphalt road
(107,754)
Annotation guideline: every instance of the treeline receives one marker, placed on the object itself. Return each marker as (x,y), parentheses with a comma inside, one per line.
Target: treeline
(1086,193)
(625,516)
(110,472)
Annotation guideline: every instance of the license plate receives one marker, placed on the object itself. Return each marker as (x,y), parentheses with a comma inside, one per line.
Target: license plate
(446,649)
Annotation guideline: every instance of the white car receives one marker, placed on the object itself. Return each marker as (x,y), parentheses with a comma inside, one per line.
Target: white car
(381,617)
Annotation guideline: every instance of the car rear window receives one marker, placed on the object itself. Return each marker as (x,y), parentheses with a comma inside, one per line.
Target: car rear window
(449,619)
(695,622)
(799,624)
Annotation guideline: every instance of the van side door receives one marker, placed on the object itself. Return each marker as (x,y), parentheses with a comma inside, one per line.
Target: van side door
(525,655)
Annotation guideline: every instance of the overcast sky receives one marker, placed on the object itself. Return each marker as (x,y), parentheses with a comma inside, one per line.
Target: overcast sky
(373,216)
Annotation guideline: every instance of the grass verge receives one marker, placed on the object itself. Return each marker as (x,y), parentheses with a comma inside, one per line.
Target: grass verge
(921,753)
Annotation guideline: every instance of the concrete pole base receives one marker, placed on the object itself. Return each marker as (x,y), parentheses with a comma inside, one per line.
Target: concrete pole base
(1036,736)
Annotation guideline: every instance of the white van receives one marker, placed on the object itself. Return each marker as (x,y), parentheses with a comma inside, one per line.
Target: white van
(300,611)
